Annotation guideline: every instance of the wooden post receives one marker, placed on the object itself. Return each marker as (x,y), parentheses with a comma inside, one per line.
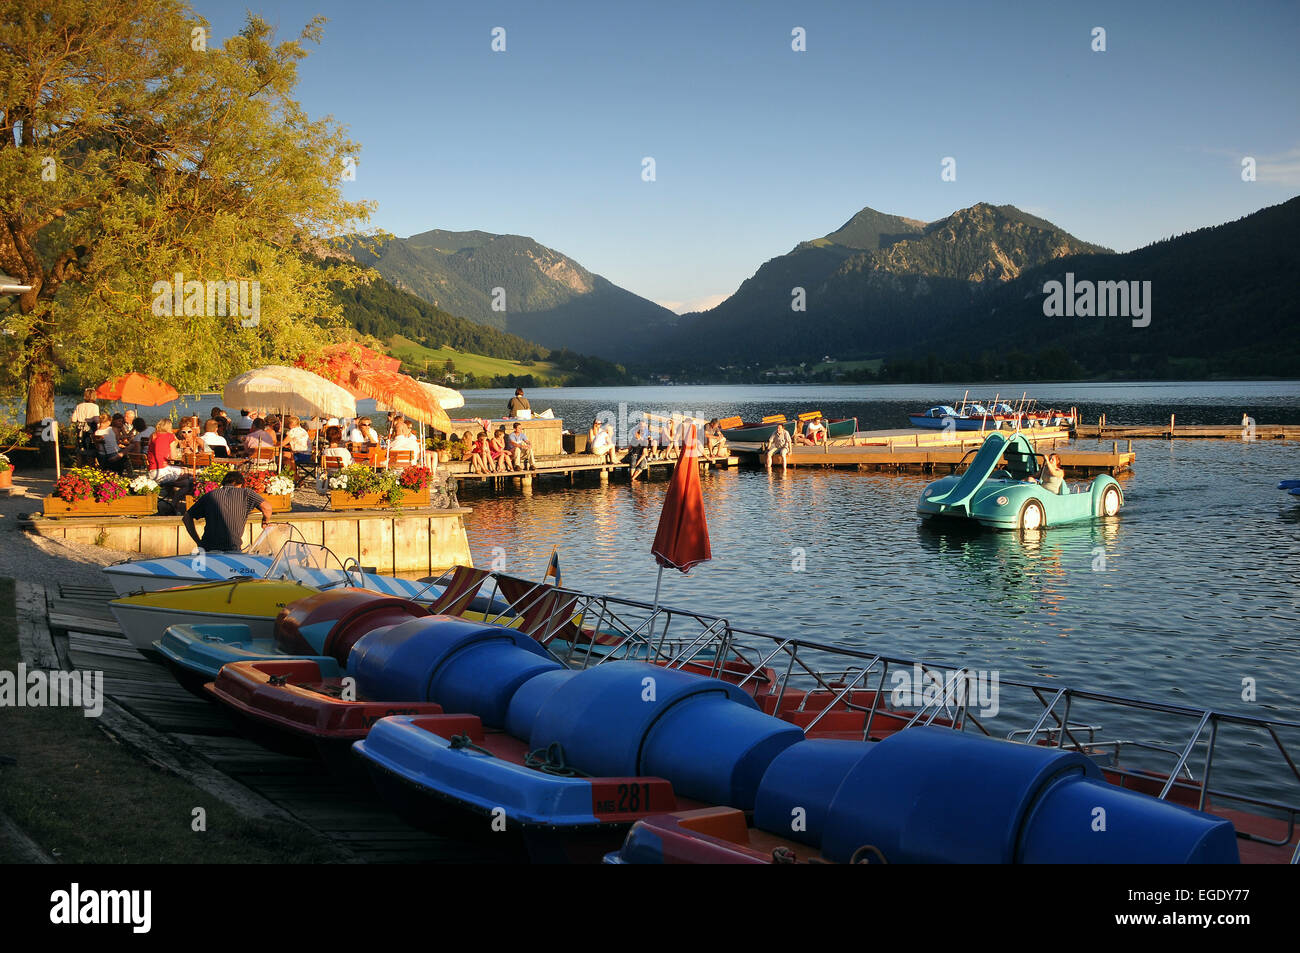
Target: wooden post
(1114,446)
(1171,426)
(1130,446)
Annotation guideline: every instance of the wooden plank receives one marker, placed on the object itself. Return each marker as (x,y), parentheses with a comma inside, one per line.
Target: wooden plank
(411,541)
(35,647)
(341,537)
(375,543)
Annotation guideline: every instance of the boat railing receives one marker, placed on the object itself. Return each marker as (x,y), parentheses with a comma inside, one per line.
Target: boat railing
(814,679)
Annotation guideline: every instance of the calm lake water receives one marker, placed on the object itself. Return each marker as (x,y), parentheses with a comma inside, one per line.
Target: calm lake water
(1195,587)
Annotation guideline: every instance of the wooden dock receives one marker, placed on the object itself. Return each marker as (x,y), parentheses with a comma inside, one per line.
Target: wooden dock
(1173,431)
(147,710)
(905,459)
(572,464)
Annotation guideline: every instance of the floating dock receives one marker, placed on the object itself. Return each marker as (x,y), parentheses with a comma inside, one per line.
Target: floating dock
(929,459)
(572,464)
(1175,431)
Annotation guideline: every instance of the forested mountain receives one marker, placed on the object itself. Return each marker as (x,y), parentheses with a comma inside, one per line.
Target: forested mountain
(870,288)
(381,310)
(546,296)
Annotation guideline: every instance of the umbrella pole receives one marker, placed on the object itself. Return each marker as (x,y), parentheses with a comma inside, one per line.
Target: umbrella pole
(658,582)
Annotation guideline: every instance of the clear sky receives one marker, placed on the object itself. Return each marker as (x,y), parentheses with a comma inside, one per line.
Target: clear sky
(758,147)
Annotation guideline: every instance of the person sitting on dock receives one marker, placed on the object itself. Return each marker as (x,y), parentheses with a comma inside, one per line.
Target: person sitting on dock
(715,444)
(225,513)
(814,434)
(781,443)
(479,459)
(602,444)
(517,403)
(521,449)
(501,459)
(639,449)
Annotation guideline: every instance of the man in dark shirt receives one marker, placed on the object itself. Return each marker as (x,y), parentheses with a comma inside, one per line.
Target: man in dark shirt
(225,512)
(517,403)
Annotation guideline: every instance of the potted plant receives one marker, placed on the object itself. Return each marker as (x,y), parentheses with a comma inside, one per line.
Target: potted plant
(359,487)
(6,472)
(277,489)
(90,491)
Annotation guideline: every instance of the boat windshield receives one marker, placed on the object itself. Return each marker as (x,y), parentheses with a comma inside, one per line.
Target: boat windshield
(978,410)
(944,411)
(310,564)
(1005,409)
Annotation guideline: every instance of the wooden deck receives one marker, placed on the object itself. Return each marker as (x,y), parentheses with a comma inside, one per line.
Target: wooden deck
(1189,431)
(928,459)
(162,722)
(571,464)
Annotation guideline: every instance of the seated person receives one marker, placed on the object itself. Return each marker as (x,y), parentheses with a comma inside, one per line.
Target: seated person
(639,447)
(363,432)
(780,444)
(140,438)
(244,425)
(225,513)
(213,441)
(189,438)
(480,460)
(107,451)
(295,441)
(260,436)
(336,450)
(501,456)
(715,444)
(1052,476)
(164,454)
(603,445)
(222,422)
(401,439)
(521,448)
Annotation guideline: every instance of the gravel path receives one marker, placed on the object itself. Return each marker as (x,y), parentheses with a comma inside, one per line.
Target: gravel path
(36,559)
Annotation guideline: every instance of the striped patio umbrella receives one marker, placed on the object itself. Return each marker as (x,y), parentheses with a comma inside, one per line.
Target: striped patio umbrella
(404,395)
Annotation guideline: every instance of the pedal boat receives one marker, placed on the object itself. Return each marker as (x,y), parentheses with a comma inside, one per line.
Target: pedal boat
(995,491)
(907,799)
(320,627)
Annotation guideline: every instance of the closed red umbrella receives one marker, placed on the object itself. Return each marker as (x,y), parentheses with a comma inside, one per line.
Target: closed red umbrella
(683,537)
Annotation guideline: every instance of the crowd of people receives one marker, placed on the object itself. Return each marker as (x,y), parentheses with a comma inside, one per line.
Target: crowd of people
(170,452)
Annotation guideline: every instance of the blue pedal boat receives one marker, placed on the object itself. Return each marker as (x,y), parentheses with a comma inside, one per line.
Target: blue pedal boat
(995,491)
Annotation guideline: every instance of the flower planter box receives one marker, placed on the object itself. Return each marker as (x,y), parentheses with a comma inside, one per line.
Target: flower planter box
(343,500)
(279,504)
(6,478)
(146,505)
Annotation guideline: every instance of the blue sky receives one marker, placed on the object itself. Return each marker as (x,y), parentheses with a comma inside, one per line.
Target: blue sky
(758,147)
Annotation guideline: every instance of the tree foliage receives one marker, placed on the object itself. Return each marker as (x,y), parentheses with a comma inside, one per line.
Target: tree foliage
(134,148)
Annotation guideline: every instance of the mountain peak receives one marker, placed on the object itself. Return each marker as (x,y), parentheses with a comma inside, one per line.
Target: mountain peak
(869,230)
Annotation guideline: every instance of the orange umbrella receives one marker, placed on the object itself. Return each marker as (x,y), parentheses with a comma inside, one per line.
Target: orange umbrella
(137,389)
(341,363)
(405,395)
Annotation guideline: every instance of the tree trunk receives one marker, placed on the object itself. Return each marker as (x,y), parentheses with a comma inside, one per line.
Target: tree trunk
(40,390)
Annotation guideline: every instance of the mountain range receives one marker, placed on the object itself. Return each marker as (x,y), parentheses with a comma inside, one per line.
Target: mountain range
(965,292)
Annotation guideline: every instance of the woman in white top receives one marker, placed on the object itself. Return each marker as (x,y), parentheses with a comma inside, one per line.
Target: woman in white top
(363,432)
(603,445)
(106,449)
(335,450)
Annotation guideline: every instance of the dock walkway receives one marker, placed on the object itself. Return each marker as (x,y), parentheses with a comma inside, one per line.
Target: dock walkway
(167,725)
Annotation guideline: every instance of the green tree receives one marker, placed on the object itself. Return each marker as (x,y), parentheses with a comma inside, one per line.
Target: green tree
(133,148)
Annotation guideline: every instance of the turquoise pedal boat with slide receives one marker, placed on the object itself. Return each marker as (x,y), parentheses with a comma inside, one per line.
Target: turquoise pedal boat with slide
(996,491)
